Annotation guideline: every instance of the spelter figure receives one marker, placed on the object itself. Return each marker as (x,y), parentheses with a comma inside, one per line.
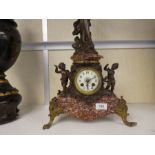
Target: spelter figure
(110,79)
(82,28)
(77,44)
(61,69)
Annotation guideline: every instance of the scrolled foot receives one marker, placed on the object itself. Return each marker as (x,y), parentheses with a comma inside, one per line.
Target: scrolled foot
(47,126)
(130,124)
(55,109)
(122,111)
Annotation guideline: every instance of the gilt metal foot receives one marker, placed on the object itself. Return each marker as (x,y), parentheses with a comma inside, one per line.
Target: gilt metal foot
(55,109)
(122,111)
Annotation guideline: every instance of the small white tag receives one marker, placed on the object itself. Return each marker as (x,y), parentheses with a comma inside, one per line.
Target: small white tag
(101,106)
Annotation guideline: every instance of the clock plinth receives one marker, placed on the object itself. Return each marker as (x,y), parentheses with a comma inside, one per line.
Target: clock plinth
(86,94)
(88,112)
(89,57)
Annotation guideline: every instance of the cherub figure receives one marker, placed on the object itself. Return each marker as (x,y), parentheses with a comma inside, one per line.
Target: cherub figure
(61,69)
(110,79)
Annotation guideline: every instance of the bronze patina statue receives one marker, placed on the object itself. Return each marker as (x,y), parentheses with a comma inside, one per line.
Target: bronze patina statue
(64,76)
(82,28)
(110,79)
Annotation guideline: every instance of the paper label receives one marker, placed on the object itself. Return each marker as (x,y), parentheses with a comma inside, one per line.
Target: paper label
(101,106)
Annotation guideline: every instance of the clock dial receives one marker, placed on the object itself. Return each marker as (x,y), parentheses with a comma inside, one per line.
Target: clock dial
(88,81)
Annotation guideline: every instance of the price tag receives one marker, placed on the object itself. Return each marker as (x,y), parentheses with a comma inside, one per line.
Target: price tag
(101,106)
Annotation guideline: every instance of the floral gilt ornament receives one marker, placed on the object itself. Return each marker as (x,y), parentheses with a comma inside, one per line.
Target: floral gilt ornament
(86,93)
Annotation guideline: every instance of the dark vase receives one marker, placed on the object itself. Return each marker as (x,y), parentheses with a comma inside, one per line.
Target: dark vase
(10,46)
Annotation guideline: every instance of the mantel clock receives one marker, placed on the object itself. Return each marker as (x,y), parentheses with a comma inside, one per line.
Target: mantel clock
(87,92)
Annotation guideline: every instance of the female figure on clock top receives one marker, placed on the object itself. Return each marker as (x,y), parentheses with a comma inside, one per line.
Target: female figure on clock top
(82,27)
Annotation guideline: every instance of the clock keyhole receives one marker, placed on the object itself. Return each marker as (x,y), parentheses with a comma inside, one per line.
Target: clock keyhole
(93,84)
(82,84)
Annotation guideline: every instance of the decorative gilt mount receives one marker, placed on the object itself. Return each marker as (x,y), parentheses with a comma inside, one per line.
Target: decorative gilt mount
(86,94)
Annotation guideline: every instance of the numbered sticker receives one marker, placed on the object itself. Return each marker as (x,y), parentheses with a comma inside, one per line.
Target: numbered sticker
(101,106)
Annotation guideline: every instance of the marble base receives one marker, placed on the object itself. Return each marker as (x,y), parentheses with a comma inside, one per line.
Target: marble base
(88,111)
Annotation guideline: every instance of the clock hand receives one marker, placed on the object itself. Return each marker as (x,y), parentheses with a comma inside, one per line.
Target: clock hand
(87,83)
(91,79)
(87,86)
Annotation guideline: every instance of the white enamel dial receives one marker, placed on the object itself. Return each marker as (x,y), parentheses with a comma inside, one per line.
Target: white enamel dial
(88,81)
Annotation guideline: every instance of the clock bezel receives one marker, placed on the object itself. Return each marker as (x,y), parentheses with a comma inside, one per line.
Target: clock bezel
(86,92)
